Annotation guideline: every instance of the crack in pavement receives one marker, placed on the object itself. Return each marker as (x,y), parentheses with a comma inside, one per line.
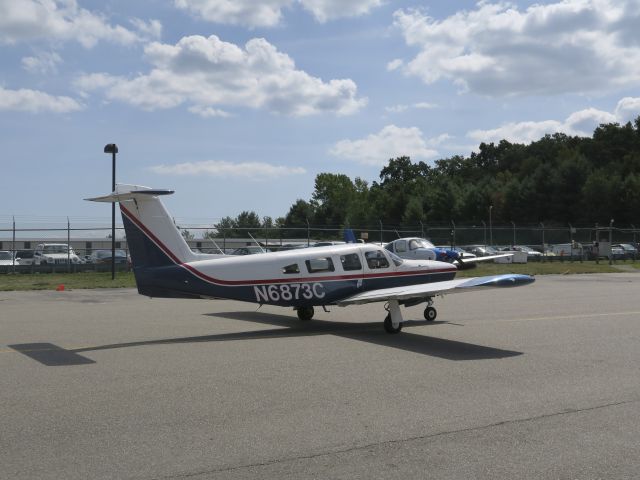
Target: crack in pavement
(396,441)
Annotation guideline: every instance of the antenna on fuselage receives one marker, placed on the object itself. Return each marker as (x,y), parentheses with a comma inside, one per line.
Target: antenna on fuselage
(216,245)
(258,244)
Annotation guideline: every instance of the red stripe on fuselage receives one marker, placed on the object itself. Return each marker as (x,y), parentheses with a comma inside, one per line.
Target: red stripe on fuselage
(218,281)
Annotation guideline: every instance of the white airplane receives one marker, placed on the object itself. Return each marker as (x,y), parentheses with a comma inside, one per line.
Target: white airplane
(165,266)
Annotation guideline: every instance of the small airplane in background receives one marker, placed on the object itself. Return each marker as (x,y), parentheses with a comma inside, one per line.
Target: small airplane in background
(349,274)
(415,248)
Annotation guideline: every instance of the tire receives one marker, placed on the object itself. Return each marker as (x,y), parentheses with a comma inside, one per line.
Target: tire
(305,313)
(388,325)
(430,314)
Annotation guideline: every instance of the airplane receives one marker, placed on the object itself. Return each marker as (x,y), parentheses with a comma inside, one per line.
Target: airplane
(164,266)
(415,248)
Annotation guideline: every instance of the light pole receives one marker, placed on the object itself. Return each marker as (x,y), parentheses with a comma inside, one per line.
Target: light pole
(544,252)
(484,230)
(490,227)
(112,148)
(610,241)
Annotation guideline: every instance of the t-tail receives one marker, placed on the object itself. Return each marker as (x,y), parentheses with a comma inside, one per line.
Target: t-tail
(153,239)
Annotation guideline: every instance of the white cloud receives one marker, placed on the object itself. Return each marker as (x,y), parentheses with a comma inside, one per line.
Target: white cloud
(29,20)
(43,63)
(207,73)
(403,108)
(397,108)
(580,123)
(216,168)
(208,112)
(35,101)
(324,10)
(394,64)
(268,13)
(425,105)
(390,142)
(628,109)
(497,49)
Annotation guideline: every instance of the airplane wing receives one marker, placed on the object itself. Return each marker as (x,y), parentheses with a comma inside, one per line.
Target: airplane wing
(425,290)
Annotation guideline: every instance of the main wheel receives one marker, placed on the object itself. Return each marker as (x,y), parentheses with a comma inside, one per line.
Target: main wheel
(388,325)
(430,314)
(305,313)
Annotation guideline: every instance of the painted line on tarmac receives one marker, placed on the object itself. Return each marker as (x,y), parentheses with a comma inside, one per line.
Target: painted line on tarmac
(565,317)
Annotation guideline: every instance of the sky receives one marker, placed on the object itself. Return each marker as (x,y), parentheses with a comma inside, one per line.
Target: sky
(238,105)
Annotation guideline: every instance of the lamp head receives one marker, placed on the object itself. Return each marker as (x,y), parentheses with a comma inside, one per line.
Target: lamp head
(111,148)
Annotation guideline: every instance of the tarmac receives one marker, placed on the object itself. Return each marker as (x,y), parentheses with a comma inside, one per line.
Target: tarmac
(537,382)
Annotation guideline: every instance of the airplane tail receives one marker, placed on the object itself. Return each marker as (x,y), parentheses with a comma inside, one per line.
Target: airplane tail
(152,237)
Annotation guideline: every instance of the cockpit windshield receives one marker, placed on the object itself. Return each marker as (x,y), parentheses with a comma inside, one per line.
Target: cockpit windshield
(397,261)
(420,243)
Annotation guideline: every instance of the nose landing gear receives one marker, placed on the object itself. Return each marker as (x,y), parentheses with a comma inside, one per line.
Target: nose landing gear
(393,320)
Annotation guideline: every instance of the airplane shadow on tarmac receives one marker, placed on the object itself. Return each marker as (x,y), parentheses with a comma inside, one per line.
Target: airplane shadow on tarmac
(371,332)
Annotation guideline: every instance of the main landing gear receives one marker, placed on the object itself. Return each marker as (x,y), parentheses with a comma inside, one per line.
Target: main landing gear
(305,313)
(393,320)
(430,313)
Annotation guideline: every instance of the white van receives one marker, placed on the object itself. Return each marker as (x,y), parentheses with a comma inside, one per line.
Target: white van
(567,250)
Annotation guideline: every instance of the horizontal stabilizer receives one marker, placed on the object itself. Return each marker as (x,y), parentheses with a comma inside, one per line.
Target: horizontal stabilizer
(121,194)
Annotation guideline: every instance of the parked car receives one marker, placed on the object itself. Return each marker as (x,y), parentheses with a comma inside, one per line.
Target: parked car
(54,254)
(250,250)
(24,257)
(618,253)
(6,258)
(629,250)
(327,244)
(103,257)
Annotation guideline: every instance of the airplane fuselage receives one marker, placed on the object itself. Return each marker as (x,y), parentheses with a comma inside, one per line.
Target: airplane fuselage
(305,277)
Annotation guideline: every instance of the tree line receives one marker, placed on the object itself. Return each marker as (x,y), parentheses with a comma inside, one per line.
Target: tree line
(558,179)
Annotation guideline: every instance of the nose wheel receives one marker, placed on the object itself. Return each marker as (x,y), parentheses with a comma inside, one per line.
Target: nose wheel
(430,314)
(393,320)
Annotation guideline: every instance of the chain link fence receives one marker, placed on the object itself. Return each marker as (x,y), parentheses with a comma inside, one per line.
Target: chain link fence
(15,239)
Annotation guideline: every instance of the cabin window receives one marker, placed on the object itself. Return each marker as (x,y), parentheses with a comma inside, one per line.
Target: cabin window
(376,259)
(322,264)
(401,246)
(414,244)
(351,261)
(293,268)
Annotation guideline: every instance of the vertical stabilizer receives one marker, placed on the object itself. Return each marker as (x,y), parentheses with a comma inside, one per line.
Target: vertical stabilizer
(152,237)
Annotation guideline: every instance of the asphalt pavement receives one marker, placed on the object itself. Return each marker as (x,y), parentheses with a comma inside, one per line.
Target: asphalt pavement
(539,382)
